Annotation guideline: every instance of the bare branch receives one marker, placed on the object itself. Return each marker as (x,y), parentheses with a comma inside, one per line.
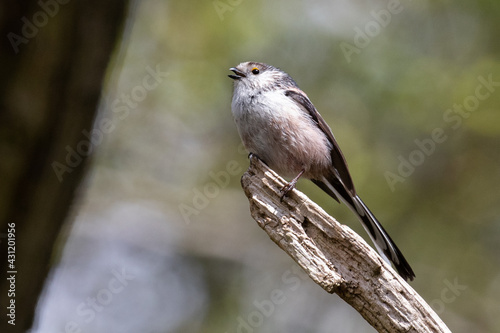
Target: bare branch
(335,257)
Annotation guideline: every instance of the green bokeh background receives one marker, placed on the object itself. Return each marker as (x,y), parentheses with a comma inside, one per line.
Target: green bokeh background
(397,89)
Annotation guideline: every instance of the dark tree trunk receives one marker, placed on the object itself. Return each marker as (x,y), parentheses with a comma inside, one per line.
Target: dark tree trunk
(54,55)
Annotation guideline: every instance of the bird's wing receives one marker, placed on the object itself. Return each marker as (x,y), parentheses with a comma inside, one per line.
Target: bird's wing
(338,159)
(340,186)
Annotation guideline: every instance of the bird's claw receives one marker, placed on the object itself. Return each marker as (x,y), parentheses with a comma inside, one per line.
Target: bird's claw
(285,190)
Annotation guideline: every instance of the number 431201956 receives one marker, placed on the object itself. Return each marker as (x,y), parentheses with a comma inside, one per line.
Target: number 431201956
(11,243)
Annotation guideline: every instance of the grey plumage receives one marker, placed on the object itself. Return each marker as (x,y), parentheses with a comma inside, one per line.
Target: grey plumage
(278,123)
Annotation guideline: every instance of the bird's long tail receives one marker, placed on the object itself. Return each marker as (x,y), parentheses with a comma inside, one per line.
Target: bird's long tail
(383,242)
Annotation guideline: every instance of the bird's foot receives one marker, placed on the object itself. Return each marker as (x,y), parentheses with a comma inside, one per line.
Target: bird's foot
(286,189)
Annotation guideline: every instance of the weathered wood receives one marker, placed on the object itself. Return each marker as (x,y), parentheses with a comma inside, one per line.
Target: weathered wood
(335,257)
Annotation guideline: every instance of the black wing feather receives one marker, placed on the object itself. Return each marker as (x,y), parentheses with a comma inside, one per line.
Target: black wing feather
(338,159)
(341,186)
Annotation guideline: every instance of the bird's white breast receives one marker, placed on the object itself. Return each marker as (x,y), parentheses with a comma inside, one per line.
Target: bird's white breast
(281,133)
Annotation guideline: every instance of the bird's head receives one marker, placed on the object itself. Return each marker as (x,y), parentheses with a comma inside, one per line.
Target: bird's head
(260,76)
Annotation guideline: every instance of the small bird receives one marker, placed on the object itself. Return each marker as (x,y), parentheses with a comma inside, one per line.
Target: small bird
(279,124)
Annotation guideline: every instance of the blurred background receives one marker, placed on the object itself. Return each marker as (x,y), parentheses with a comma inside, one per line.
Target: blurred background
(160,237)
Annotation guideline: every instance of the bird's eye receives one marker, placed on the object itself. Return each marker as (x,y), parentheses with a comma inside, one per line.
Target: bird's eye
(255,70)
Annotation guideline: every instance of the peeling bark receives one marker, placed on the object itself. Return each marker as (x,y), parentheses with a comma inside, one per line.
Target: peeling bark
(335,257)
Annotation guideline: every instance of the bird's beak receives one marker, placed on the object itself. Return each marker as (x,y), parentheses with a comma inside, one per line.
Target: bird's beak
(239,74)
